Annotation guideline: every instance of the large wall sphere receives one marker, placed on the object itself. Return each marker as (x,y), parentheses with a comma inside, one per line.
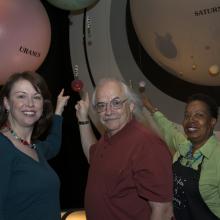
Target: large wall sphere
(183,37)
(25,36)
(72,4)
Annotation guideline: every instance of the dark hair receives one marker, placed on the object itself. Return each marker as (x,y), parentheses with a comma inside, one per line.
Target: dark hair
(40,86)
(209,101)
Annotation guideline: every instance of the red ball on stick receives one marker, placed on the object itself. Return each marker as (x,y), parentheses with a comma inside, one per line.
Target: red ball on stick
(77,85)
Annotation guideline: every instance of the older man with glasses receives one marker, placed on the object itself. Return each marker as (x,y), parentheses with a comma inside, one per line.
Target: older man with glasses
(130,175)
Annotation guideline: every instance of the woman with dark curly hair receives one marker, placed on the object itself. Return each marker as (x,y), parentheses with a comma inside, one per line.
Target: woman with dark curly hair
(29,188)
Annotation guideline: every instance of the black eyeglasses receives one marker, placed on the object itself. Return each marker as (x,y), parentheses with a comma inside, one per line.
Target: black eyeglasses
(115,104)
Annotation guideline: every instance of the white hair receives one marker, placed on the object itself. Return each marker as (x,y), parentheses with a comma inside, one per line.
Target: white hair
(128,93)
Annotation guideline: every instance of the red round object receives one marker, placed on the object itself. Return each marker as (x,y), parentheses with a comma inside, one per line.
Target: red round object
(77,85)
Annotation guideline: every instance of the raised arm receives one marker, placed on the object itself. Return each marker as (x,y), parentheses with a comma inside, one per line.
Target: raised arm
(61,103)
(148,104)
(86,133)
(51,145)
(172,135)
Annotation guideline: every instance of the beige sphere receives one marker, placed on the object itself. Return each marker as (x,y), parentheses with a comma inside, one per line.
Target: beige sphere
(183,37)
(214,70)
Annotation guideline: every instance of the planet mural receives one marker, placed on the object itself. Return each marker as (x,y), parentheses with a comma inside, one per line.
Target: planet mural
(25,36)
(181,37)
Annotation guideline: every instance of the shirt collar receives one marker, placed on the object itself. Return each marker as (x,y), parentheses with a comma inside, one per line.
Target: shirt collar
(206,150)
(119,133)
(209,146)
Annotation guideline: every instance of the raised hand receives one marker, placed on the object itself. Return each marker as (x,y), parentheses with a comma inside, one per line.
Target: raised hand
(61,103)
(82,108)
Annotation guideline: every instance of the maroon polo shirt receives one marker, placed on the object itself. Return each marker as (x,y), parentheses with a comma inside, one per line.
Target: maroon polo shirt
(127,170)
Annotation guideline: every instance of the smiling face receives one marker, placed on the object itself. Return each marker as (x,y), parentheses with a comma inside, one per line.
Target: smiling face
(114,117)
(24,104)
(198,123)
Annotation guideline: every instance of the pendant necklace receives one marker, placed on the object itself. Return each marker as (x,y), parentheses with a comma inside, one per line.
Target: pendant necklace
(21,140)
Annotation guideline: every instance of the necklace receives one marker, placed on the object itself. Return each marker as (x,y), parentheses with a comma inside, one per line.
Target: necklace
(191,159)
(21,140)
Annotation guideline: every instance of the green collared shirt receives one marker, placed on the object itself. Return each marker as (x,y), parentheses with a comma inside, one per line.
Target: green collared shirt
(209,183)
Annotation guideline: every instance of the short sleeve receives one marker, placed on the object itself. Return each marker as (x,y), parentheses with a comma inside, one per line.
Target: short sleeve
(153,171)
